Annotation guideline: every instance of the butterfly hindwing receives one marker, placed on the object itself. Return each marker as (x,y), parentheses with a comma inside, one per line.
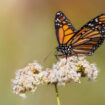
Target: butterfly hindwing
(64,28)
(89,37)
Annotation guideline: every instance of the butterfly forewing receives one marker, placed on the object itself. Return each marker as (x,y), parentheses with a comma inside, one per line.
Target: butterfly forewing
(64,29)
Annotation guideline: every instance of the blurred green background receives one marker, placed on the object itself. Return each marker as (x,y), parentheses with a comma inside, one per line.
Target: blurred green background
(27,33)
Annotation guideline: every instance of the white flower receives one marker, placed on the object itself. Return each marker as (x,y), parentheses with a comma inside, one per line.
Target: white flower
(26,80)
(63,72)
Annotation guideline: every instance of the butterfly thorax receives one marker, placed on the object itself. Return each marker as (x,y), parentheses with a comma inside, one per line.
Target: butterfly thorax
(64,49)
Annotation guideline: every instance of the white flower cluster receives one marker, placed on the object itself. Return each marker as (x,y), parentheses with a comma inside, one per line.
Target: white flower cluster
(26,79)
(66,70)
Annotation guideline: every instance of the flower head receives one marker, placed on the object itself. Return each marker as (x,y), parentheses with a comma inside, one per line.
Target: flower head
(61,73)
(25,79)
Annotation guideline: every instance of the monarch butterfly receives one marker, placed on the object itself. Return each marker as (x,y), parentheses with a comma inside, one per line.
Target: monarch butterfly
(84,41)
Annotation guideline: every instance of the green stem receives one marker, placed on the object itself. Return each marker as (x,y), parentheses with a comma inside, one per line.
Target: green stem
(57,95)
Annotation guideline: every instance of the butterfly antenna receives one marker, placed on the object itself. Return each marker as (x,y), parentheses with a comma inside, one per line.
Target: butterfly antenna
(48,55)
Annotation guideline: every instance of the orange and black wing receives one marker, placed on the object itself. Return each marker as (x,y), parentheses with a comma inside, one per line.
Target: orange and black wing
(64,28)
(89,37)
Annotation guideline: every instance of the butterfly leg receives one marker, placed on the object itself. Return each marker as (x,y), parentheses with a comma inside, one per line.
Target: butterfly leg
(56,55)
(76,54)
(66,59)
(77,57)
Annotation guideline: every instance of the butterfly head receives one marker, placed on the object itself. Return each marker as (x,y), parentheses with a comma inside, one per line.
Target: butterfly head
(64,50)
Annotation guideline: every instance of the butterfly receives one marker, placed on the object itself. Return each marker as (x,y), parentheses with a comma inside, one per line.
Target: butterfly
(84,41)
